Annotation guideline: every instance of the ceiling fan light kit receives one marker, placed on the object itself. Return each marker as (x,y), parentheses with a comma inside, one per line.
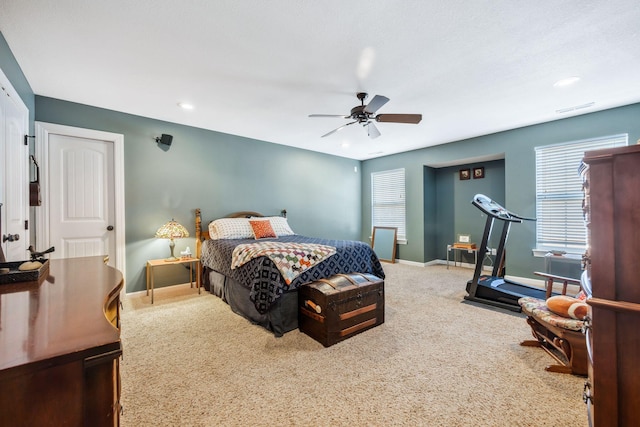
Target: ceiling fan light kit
(365,115)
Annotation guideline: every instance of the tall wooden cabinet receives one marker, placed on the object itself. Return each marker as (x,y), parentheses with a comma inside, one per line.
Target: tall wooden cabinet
(60,347)
(612,212)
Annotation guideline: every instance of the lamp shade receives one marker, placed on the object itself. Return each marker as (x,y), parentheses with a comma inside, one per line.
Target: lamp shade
(172,230)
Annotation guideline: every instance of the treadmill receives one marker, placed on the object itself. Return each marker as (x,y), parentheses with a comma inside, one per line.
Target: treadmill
(495,289)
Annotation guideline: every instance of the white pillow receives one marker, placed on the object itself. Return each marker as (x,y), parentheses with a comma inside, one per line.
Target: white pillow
(230,228)
(279,224)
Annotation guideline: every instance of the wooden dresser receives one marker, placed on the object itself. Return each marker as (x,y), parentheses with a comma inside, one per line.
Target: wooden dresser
(612,213)
(60,347)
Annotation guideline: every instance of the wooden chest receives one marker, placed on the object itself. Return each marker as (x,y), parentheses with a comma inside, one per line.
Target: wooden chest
(334,309)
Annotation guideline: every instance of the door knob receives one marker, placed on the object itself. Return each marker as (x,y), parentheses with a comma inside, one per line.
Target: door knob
(110,228)
(10,237)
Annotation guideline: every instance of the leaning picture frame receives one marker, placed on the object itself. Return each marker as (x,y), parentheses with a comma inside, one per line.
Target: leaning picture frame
(464,238)
(383,242)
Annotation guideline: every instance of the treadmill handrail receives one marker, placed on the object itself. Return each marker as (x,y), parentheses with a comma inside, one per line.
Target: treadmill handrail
(522,217)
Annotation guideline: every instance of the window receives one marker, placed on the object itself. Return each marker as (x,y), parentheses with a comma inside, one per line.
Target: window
(388,201)
(560,223)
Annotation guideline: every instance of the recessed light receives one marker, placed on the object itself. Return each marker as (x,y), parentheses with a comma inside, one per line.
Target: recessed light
(185,106)
(345,145)
(567,81)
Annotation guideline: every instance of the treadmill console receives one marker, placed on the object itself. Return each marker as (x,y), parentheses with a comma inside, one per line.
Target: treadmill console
(495,210)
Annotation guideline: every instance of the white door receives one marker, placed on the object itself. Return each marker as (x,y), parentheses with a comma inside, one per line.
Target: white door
(82,197)
(82,180)
(14,177)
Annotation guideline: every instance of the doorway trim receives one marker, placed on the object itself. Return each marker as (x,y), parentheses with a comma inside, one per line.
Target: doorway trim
(43,130)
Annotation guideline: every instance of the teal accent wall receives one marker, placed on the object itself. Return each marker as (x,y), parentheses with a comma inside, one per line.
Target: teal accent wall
(457,213)
(510,181)
(218,173)
(431,223)
(12,70)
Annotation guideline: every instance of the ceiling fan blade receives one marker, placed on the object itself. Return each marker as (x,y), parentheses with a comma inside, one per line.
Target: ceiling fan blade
(329,115)
(336,130)
(377,102)
(399,118)
(372,130)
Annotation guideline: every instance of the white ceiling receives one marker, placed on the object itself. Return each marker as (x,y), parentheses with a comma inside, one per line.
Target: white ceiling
(258,68)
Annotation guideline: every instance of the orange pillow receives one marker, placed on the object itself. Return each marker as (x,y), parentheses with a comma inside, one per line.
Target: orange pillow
(569,307)
(581,295)
(262,229)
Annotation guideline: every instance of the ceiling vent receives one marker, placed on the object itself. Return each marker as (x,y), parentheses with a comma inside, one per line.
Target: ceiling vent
(574,108)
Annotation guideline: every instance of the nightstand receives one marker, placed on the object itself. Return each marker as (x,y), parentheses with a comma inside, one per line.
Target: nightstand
(456,249)
(193,262)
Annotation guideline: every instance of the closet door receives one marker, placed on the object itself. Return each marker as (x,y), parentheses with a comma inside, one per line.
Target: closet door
(14,177)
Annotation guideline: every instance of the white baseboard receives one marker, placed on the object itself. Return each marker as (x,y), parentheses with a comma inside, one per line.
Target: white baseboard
(440,262)
(186,285)
(524,280)
(414,263)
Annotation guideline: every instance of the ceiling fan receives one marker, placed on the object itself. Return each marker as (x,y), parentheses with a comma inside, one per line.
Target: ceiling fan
(365,115)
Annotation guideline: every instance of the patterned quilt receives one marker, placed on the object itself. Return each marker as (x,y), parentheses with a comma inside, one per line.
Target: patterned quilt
(290,258)
(262,277)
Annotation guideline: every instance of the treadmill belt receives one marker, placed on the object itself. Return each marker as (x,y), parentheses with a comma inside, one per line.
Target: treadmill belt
(526,291)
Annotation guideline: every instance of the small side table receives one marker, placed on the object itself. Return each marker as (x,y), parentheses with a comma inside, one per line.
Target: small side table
(455,253)
(193,262)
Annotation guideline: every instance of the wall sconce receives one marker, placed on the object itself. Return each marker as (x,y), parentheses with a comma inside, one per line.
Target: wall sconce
(172,230)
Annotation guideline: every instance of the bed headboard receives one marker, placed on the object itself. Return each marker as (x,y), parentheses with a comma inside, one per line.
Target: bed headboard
(202,235)
(243,214)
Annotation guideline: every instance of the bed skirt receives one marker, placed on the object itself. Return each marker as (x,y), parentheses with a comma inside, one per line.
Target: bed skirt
(282,317)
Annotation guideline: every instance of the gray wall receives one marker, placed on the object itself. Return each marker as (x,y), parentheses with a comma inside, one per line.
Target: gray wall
(218,173)
(516,147)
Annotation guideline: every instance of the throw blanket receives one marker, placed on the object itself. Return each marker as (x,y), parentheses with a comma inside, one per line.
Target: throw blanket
(263,278)
(291,259)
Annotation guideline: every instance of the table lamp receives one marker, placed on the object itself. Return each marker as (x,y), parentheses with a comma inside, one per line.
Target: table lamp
(171,230)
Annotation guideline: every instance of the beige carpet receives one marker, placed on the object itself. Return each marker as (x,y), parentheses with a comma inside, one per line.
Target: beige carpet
(436,361)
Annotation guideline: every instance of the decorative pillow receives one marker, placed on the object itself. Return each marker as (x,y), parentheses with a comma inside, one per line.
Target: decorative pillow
(565,306)
(582,296)
(230,228)
(537,308)
(279,224)
(262,229)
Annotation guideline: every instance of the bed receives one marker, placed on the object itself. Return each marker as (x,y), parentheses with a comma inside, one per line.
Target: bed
(254,282)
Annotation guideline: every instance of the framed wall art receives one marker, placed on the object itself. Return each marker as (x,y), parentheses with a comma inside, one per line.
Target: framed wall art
(465,174)
(478,172)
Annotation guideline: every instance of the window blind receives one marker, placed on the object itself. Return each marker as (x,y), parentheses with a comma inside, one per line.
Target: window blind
(560,222)
(388,200)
